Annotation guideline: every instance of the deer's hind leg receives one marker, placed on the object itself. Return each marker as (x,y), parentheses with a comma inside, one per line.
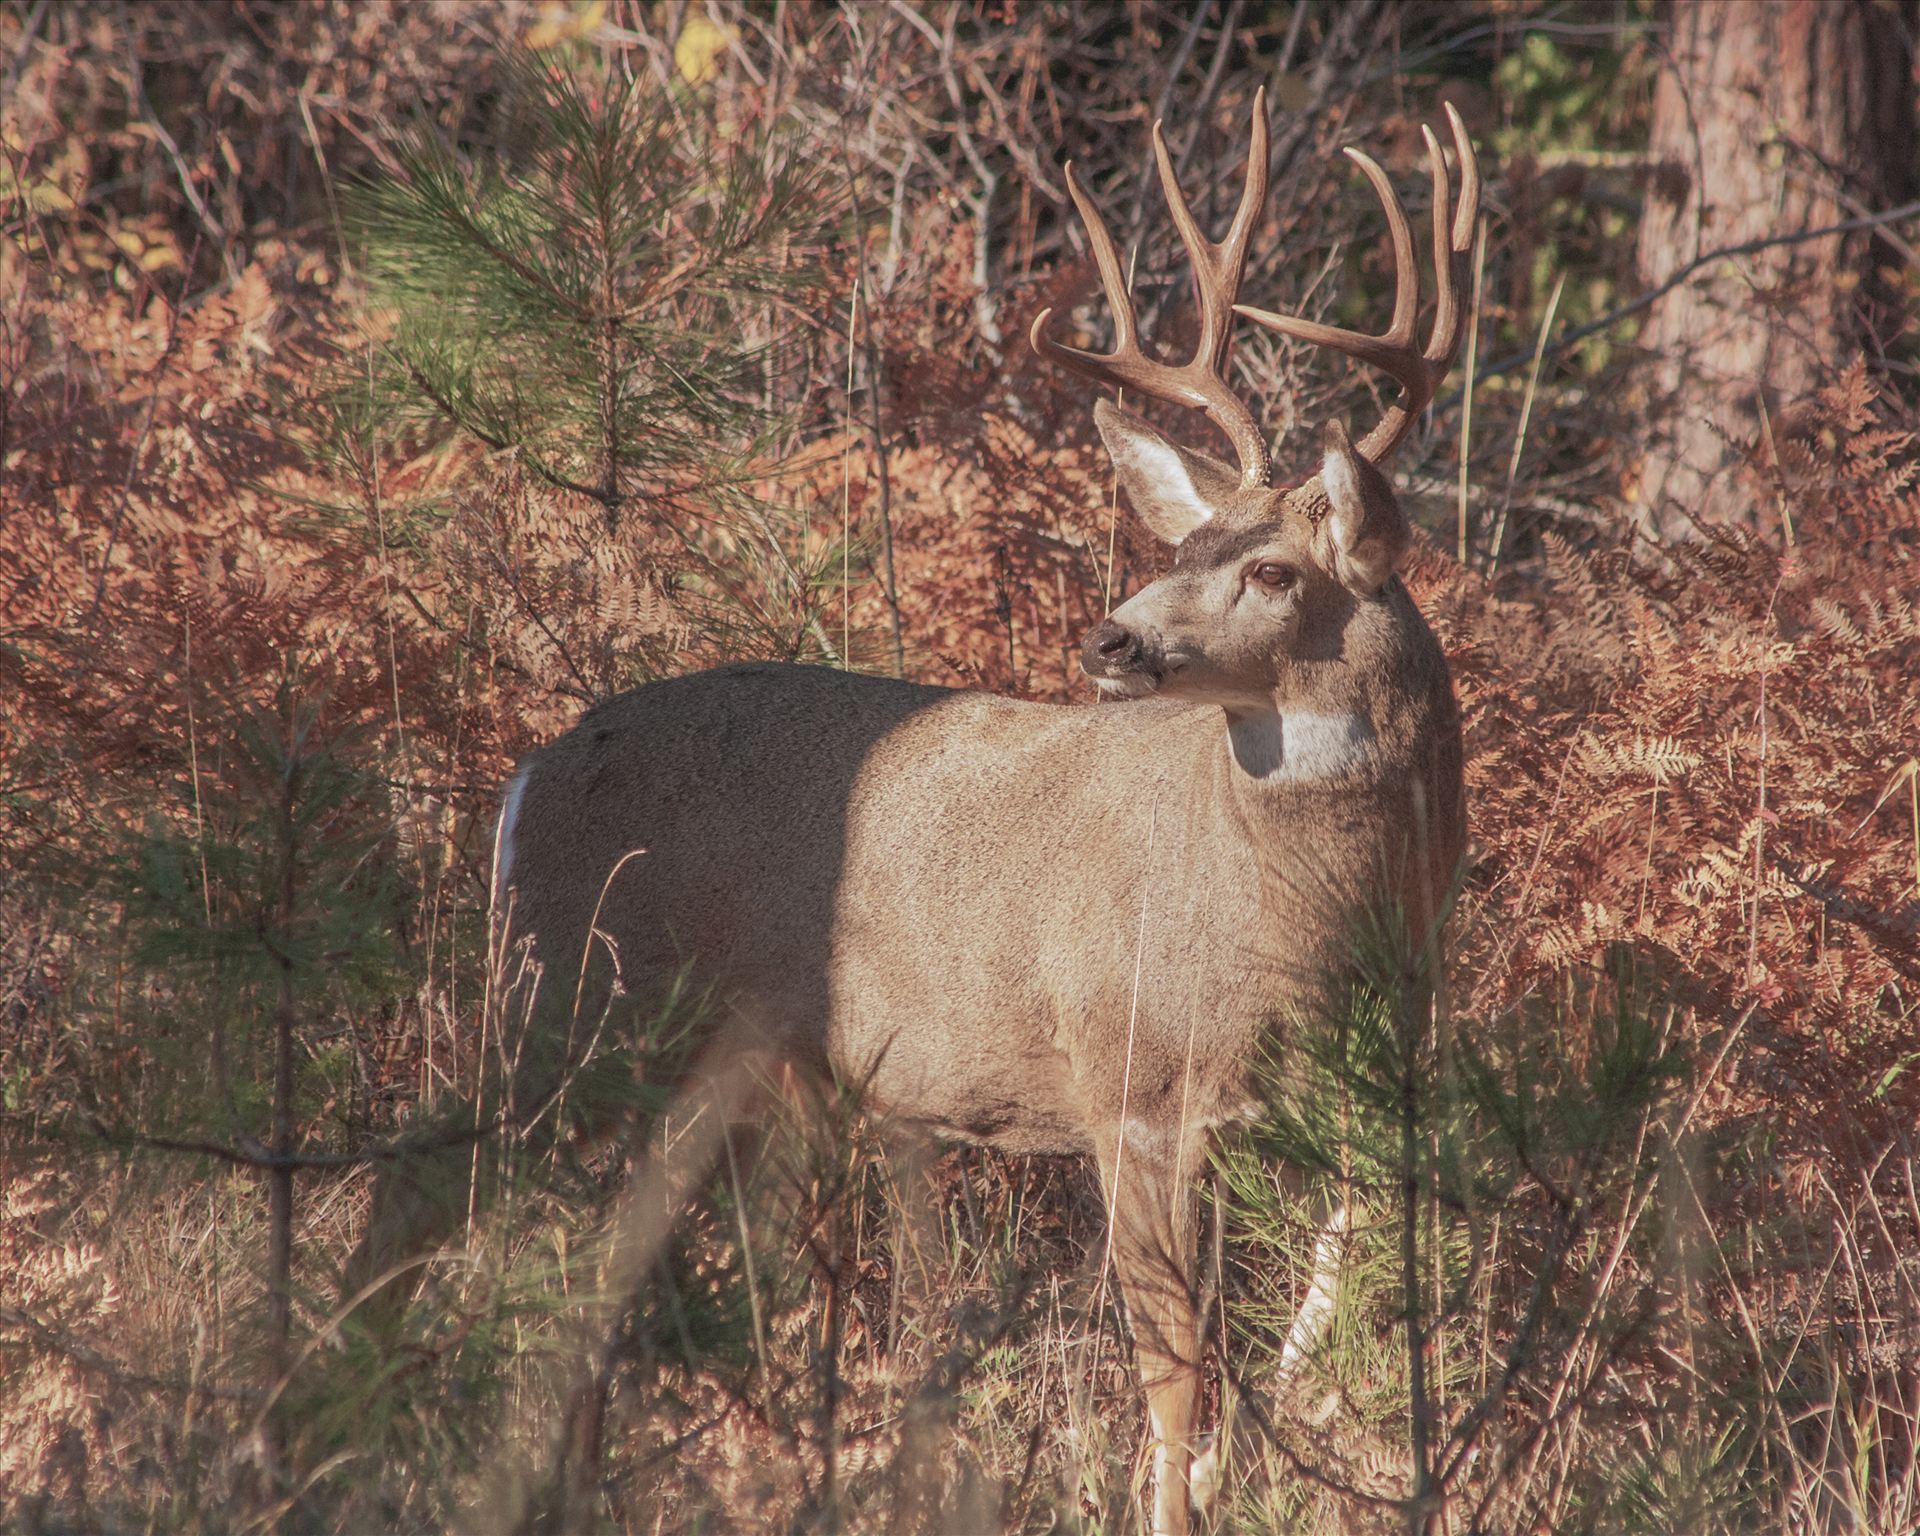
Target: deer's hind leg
(1151,1200)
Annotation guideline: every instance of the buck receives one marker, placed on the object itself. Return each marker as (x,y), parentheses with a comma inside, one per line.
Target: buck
(1064,929)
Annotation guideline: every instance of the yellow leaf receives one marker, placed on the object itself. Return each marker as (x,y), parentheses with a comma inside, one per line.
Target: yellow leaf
(697,52)
(45,197)
(160,255)
(562,23)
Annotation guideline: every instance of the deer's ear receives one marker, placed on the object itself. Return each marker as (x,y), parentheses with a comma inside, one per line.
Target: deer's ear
(1173,489)
(1365,527)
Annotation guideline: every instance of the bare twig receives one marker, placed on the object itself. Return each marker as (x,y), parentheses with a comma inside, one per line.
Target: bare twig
(248,1153)
(137,74)
(1137,215)
(1652,296)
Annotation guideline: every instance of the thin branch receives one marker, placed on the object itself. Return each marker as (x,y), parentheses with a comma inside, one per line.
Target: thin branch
(1652,296)
(500,444)
(137,73)
(248,1153)
(1137,215)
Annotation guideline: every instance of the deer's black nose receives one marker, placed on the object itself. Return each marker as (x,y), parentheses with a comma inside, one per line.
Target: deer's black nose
(1110,645)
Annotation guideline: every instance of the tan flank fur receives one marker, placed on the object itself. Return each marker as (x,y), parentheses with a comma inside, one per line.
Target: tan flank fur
(1063,929)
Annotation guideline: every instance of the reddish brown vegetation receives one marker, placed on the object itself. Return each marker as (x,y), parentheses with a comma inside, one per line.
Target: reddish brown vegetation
(1685,750)
(1695,752)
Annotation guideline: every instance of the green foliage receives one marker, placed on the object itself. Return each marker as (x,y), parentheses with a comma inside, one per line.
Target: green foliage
(604,293)
(1342,1090)
(589,297)
(276,877)
(270,890)
(1686,1480)
(1436,1136)
(1563,97)
(1576,111)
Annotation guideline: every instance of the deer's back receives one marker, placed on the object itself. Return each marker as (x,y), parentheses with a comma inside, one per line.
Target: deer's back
(703,820)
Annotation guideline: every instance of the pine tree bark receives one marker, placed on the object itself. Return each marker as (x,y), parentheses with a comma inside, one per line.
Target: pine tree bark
(1770,116)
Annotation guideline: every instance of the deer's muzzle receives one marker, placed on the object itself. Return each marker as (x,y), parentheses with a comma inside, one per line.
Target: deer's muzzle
(1122,660)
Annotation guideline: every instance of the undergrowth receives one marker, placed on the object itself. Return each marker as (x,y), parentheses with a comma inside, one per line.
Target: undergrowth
(292,575)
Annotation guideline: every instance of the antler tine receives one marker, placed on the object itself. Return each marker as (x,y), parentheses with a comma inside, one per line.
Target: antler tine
(1218,267)
(1113,367)
(1418,371)
(1406,272)
(1393,351)
(1217,272)
(1446,312)
(1451,246)
(1465,221)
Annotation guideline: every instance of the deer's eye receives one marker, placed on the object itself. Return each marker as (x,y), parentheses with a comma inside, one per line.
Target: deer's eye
(1274,576)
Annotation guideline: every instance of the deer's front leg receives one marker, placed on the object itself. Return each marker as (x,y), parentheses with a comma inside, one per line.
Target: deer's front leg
(1315,1317)
(1310,1327)
(1150,1196)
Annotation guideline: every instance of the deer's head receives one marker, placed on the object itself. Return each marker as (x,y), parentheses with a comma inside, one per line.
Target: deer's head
(1264,578)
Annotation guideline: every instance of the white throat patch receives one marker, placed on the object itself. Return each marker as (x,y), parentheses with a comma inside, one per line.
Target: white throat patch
(1300,745)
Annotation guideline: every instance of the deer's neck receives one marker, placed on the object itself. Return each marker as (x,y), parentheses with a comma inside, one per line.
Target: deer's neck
(1331,726)
(1352,775)
(1354,720)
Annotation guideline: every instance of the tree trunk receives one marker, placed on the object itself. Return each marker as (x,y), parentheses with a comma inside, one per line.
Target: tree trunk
(1770,116)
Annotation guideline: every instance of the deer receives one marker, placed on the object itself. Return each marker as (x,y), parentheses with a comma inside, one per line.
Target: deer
(1064,929)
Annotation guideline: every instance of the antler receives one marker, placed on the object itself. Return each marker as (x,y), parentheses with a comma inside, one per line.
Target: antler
(1395,352)
(1217,271)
